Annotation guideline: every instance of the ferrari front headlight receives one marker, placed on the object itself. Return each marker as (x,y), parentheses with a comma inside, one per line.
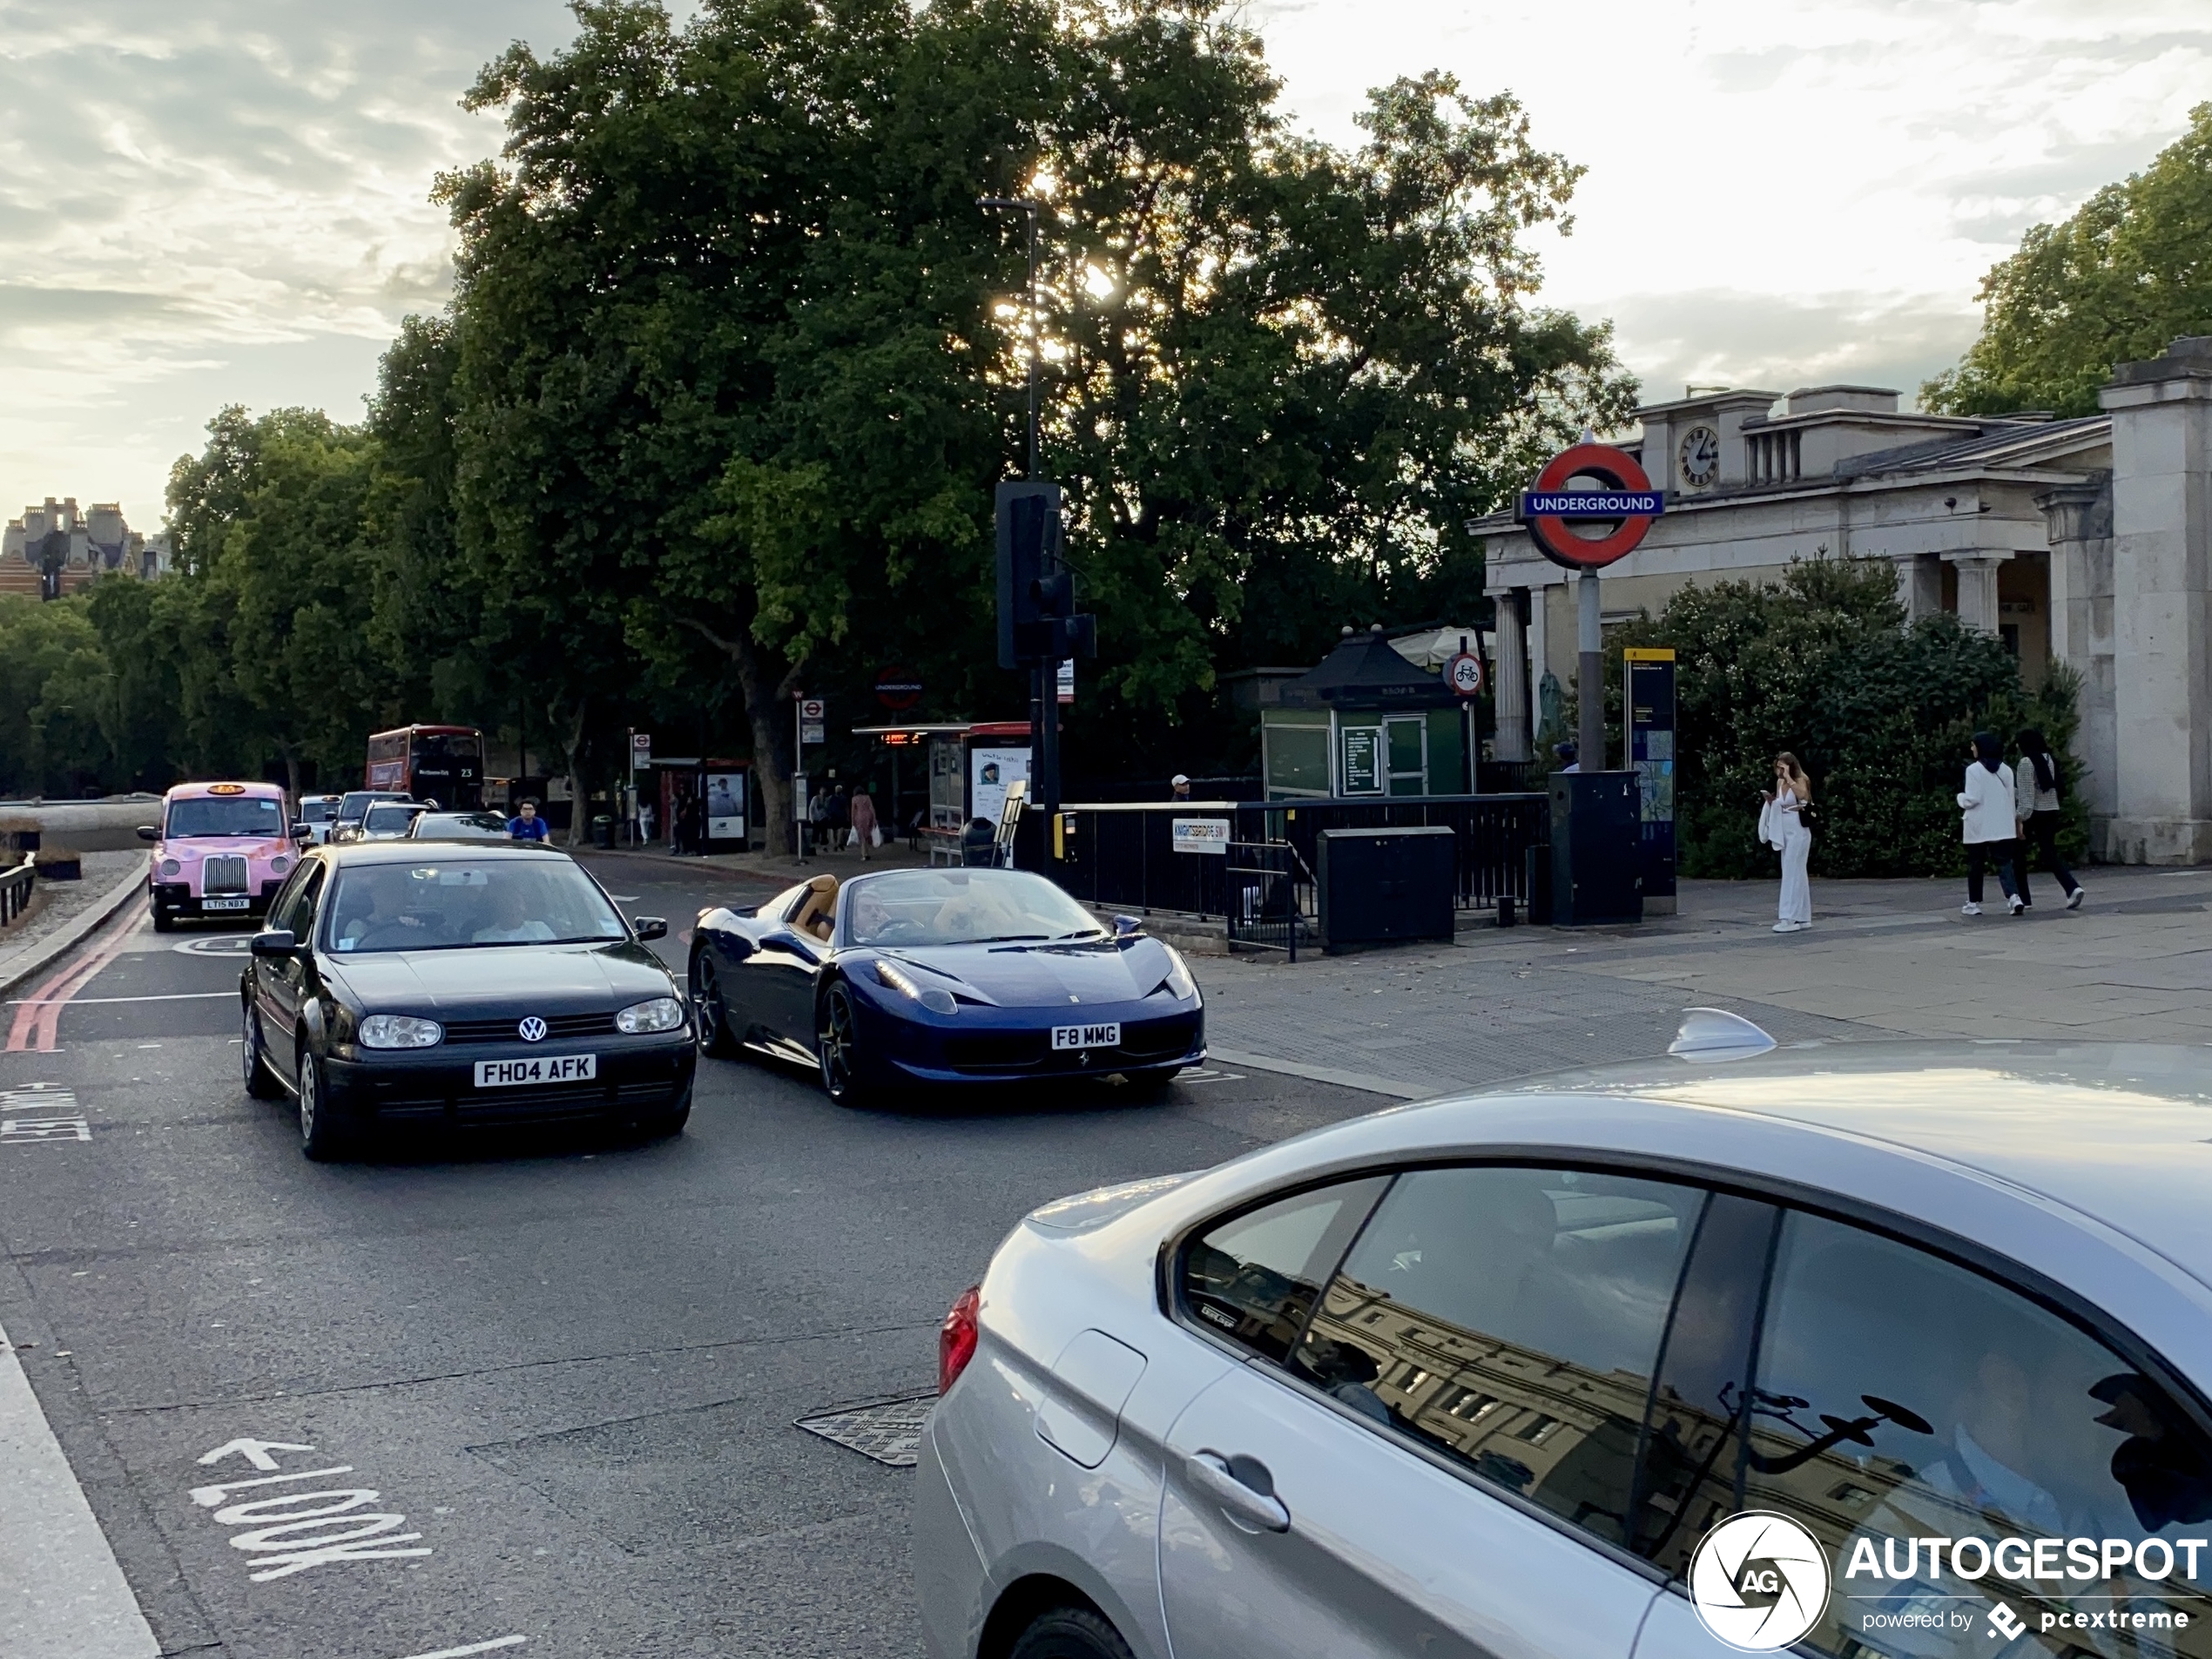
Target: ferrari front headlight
(399,1031)
(662,1014)
(1179,979)
(936,1001)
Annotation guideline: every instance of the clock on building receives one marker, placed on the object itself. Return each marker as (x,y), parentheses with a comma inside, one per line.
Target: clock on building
(1700,456)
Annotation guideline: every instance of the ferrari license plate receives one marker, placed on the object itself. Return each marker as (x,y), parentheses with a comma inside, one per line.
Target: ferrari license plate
(1086,1036)
(223,904)
(539,1068)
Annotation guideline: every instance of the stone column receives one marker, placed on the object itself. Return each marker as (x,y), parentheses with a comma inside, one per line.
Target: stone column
(1920,585)
(2079,519)
(1977,587)
(1511,743)
(2161,605)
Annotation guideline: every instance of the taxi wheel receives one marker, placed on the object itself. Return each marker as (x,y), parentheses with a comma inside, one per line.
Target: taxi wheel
(321,1135)
(838,1046)
(163,922)
(1070,1633)
(260,1081)
(709,1010)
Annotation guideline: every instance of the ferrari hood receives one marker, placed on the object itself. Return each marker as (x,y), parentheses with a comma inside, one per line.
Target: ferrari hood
(1076,973)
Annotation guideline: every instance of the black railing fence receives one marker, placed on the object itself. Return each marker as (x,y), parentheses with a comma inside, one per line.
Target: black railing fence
(1125,853)
(1272,900)
(15,887)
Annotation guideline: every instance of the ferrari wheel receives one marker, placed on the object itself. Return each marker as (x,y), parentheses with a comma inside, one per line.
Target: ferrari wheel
(260,1083)
(711,1013)
(838,1046)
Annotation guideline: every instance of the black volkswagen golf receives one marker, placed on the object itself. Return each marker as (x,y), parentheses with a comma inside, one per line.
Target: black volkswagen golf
(402,982)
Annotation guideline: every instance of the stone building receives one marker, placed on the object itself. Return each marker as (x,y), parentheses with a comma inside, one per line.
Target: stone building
(2087,542)
(57,549)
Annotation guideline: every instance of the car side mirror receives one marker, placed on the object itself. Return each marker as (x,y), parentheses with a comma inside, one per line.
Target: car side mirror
(1127,926)
(149,832)
(650,926)
(302,835)
(275,942)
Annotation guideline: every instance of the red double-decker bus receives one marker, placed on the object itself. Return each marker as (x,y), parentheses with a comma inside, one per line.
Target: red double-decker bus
(440,762)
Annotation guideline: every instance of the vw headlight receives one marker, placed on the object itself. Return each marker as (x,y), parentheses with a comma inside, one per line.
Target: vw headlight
(399,1031)
(936,1001)
(662,1014)
(1179,979)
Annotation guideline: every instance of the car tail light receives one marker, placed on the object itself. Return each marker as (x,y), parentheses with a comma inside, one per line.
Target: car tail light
(956,1337)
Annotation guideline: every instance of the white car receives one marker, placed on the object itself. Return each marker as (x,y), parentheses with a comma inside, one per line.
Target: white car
(1496,1375)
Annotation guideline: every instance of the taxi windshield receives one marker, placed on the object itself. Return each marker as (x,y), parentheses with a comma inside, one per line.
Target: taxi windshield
(255,815)
(453,904)
(964,907)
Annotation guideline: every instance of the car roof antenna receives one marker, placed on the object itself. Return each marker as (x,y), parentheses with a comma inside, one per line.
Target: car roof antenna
(1714,1034)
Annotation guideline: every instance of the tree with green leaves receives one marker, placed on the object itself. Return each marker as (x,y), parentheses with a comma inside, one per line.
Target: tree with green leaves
(2129,272)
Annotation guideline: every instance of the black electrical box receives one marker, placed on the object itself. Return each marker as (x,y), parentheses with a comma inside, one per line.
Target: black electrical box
(1596,848)
(1379,887)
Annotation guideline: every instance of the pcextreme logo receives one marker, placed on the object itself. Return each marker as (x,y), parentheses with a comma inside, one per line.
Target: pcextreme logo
(1759,1581)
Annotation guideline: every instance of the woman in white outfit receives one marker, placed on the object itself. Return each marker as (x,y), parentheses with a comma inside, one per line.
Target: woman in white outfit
(1782,825)
(1986,800)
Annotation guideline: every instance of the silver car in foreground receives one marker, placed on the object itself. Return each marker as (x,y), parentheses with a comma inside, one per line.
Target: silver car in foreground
(1493,1375)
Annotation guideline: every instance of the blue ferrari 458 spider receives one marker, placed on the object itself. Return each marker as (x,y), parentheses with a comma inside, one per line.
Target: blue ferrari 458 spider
(942,977)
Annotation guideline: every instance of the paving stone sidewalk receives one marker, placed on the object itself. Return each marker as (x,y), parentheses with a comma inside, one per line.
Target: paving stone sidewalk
(1884,959)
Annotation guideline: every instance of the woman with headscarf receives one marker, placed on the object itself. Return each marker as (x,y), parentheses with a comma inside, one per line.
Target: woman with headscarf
(2038,789)
(1986,800)
(1782,825)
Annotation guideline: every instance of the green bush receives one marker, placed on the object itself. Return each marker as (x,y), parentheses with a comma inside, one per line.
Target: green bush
(1881,714)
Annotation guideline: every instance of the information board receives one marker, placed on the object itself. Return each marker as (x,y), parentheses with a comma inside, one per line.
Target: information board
(1361,770)
(1650,671)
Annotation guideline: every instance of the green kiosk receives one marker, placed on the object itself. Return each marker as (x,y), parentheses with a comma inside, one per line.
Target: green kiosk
(1365,722)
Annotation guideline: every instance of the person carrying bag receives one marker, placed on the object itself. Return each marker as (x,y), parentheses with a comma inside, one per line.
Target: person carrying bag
(2038,794)
(1986,799)
(1782,826)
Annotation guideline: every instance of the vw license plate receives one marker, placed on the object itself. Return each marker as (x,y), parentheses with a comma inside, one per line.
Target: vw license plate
(223,904)
(1086,1036)
(539,1069)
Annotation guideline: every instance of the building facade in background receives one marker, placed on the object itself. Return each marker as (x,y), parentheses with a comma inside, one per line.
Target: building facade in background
(2087,542)
(58,548)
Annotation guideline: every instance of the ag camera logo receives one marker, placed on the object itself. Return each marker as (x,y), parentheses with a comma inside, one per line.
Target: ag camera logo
(1759,1581)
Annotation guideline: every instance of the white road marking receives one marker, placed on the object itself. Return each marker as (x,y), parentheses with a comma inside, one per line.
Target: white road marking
(87,1002)
(289,1532)
(255,1452)
(65,1593)
(45,1129)
(473,1646)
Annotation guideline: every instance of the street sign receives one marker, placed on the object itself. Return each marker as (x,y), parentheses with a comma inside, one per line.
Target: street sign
(813,708)
(1209,835)
(898,687)
(1067,680)
(1649,673)
(641,751)
(1629,503)
(1464,674)
(812,731)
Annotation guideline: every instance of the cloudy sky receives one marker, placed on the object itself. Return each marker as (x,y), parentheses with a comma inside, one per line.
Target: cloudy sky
(214,201)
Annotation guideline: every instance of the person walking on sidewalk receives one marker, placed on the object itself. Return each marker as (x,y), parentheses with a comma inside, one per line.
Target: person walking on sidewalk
(2037,793)
(862,811)
(1991,822)
(1782,825)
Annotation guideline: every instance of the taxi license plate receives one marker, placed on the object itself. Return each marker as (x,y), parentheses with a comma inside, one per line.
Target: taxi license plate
(1066,1037)
(223,904)
(539,1069)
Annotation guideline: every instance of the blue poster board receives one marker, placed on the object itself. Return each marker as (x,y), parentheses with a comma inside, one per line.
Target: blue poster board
(1650,684)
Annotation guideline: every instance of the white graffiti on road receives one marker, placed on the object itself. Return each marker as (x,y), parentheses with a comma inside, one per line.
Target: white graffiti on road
(289,1532)
(58,1118)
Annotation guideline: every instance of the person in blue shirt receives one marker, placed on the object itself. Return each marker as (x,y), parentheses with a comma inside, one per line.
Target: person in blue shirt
(526,825)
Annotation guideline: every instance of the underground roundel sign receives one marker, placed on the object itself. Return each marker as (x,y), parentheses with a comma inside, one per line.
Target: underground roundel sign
(1626,504)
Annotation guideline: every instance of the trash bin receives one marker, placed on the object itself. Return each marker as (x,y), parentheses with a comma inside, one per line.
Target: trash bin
(603,831)
(1382,886)
(1596,849)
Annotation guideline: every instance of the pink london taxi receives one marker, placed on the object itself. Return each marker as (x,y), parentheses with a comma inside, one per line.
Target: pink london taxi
(220,850)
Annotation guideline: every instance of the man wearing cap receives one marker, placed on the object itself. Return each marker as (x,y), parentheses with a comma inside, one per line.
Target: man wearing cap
(1179,788)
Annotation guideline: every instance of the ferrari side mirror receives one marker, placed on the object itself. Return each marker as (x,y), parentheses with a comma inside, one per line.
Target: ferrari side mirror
(1127,926)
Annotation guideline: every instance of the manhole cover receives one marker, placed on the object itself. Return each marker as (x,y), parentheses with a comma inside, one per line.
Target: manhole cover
(889,1431)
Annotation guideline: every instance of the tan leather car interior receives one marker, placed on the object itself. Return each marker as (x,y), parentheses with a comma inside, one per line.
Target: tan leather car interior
(817,911)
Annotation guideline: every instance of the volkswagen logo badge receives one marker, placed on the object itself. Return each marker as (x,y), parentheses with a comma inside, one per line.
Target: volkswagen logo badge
(532,1029)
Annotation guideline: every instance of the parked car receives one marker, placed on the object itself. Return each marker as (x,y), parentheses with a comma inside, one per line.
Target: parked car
(457,826)
(916,977)
(220,851)
(317,814)
(388,820)
(1487,1375)
(401,986)
(354,806)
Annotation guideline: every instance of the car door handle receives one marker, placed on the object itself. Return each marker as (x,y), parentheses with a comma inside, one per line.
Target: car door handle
(1242,1486)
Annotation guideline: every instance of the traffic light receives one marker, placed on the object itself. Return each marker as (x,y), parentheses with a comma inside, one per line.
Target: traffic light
(1029,559)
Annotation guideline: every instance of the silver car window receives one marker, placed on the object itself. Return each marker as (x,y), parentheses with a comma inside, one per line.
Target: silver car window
(1253,1278)
(1902,1397)
(1511,1318)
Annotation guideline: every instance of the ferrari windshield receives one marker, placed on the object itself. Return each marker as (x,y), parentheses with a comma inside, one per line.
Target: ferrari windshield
(451,904)
(963,908)
(226,815)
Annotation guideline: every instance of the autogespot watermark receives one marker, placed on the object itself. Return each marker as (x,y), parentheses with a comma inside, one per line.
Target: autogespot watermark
(1761,1581)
